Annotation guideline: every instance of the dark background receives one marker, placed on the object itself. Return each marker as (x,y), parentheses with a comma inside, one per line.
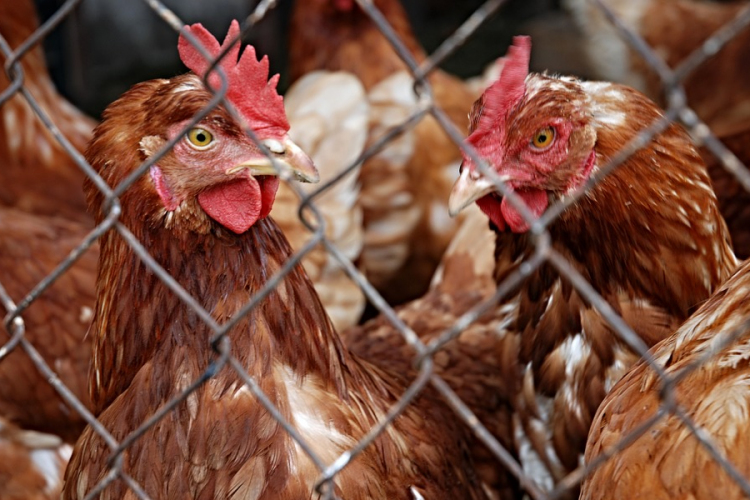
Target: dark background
(106,46)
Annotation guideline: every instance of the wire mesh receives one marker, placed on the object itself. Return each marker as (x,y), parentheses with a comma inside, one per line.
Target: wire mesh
(678,110)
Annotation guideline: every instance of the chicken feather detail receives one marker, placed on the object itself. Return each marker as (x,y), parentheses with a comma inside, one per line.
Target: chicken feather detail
(709,354)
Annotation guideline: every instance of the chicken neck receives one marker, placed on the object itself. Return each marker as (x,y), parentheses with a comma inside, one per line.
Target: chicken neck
(139,320)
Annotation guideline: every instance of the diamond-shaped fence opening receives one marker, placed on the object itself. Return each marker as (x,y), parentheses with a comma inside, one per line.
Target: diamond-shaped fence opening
(39,359)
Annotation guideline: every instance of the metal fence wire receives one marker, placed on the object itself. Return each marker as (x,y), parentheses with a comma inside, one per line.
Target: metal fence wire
(678,110)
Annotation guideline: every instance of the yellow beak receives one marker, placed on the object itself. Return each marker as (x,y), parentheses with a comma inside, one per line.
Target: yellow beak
(469,187)
(287,156)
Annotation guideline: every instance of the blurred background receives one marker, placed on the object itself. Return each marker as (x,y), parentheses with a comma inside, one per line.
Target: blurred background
(105,47)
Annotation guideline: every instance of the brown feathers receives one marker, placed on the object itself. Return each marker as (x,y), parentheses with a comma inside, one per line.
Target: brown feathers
(648,237)
(55,323)
(715,90)
(667,460)
(42,219)
(324,36)
(38,175)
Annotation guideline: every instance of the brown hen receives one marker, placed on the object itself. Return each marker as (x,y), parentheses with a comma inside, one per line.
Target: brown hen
(42,218)
(709,354)
(27,148)
(201,212)
(648,238)
(404,187)
(55,323)
(717,89)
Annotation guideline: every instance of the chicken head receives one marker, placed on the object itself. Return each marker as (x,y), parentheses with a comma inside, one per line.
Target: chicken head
(539,143)
(214,173)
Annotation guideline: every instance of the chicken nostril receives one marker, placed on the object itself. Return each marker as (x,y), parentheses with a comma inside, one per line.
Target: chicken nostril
(274,146)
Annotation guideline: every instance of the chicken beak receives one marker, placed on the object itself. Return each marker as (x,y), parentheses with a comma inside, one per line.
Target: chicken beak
(470,186)
(287,157)
(300,165)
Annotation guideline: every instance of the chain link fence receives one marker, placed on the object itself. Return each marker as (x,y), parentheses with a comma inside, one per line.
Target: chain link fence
(677,110)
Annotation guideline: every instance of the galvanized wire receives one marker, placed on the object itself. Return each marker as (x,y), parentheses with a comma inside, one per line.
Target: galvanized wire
(678,111)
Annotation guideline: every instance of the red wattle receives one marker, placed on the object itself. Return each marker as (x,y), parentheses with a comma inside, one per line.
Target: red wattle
(344,5)
(502,212)
(239,204)
(535,199)
(268,187)
(490,205)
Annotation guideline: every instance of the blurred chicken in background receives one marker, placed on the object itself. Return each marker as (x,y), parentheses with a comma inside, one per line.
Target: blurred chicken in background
(37,174)
(328,113)
(31,463)
(404,188)
(42,219)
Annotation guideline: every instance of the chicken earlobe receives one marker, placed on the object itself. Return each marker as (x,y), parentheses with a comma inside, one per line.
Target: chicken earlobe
(167,198)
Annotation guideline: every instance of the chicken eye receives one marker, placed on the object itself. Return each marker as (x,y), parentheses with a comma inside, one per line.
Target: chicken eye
(200,137)
(543,138)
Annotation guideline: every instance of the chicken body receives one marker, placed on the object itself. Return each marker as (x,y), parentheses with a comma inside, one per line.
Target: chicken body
(42,219)
(31,464)
(404,186)
(715,90)
(649,239)
(219,442)
(27,148)
(55,323)
(45,219)
(709,353)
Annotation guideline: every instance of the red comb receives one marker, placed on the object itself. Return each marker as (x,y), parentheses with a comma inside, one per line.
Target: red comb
(249,90)
(505,93)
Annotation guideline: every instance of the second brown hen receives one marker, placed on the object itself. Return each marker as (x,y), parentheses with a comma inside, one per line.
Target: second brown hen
(648,238)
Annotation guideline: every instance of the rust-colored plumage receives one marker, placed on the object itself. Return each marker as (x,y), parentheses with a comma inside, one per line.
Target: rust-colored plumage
(37,175)
(42,218)
(649,238)
(339,36)
(55,323)
(31,464)
(716,90)
(709,354)
(404,187)
(219,442)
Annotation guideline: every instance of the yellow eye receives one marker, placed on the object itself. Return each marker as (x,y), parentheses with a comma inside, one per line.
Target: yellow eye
(543,138)
(200,137)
